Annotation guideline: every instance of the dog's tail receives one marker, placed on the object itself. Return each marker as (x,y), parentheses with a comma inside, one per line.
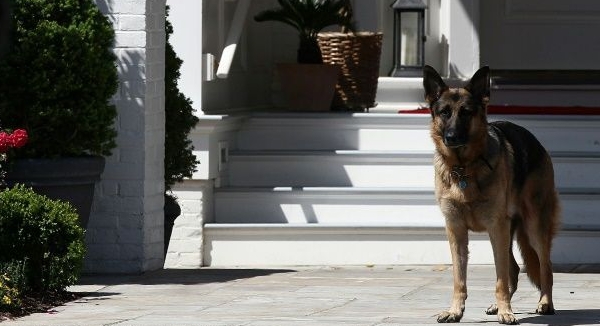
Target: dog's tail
(530,257)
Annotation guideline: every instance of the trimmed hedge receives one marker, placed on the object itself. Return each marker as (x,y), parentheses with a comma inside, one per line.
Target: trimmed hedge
(42,237)
(58,77)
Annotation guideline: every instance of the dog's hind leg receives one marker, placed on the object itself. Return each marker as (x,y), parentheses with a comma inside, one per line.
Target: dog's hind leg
(536,255)
(541,242)
(535,241)
(545,305)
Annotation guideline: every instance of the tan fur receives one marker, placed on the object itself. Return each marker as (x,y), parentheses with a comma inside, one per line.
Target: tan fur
(492,203)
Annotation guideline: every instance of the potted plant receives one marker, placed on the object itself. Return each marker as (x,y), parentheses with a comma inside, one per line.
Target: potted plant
(358,55)
(58,77)
(180,162)
(309,84)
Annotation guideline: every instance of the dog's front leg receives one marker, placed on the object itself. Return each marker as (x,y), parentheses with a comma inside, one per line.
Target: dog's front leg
(500,239)
(459,247)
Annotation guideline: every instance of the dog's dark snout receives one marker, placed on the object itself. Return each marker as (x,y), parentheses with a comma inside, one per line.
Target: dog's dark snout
(451,137)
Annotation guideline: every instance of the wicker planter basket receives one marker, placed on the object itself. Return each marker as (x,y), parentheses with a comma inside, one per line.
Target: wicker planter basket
(358,56)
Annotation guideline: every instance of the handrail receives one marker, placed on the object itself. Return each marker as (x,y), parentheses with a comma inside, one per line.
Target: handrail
(233,37)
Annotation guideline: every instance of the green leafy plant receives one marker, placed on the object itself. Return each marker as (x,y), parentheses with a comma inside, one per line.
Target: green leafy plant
(9,294)
(11,281)
(44,236)
(309,17)
(4,25)
(180,162)
(58,77)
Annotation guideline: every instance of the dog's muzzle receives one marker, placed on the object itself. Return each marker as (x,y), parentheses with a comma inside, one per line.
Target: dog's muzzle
(452,139)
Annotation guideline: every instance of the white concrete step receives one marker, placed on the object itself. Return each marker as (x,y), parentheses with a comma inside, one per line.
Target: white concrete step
(395,94)
(335,131)
(342,206)
(294,245)
(398,90)
(347,189)
(397,132)
(349,168)
(403,207)
(342,168)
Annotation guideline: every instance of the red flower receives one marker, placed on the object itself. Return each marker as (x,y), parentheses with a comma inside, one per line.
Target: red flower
(19,138)
(5,142)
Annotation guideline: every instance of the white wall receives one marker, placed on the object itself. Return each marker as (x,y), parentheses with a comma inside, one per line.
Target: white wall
(250,82)
(460,32)
(125,231)
(540,34)
(187,240)
(186,18)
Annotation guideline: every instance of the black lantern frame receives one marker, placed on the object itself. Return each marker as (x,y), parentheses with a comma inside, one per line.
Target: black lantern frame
(415,69)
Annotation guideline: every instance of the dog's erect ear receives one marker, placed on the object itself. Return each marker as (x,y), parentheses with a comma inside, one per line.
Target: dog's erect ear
(433,84)
(479,86)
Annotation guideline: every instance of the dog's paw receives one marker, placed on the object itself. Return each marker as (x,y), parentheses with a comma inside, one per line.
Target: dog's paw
(449,317)
(545,309)
(507,318)
(492,309)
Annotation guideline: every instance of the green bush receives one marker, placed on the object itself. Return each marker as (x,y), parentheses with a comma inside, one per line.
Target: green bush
(11,281)
(58,77)
(180,162)
(42,235)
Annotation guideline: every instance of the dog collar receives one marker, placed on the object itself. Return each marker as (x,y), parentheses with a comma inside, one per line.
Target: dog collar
(458,172)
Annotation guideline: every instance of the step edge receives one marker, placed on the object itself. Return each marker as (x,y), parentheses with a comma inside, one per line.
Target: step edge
(426,153)
(593,231)
(292,190)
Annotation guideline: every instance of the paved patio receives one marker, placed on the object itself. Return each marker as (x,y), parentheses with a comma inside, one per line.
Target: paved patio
(361,296)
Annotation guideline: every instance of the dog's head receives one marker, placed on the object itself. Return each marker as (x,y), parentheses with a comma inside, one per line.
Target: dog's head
(458,114)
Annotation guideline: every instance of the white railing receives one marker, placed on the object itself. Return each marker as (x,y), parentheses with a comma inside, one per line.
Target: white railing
(233,37)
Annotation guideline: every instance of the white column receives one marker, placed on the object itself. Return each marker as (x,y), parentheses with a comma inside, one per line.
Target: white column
(125,232)
(460,29)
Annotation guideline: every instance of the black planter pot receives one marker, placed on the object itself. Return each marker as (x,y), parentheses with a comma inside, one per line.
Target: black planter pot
(172,211)
(71,179)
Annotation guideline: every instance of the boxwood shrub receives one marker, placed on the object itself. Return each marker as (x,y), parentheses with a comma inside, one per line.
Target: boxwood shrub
(58,77)
(42,237)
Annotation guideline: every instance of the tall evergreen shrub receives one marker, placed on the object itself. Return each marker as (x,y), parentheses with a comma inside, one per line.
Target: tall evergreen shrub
(180,162)
(58,77)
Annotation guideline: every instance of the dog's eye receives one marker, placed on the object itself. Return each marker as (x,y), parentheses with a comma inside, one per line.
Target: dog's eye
(445,112)
(465,112)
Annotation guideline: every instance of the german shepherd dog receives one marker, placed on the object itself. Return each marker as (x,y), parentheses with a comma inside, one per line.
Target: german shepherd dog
(494,177)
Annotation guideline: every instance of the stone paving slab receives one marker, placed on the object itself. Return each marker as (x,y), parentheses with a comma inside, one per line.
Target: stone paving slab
(310,296)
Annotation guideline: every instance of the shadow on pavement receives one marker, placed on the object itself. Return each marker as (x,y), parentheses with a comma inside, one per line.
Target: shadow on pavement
(565,318)
(181,276)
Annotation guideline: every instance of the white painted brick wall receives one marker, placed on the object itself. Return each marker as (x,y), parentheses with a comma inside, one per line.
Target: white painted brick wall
(185,248)
(125,233)
(131,22)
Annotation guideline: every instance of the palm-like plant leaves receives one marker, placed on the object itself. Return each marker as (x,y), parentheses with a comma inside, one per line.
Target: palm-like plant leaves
(309,17)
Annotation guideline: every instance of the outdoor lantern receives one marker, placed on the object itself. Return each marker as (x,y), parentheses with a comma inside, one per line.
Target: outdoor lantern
(409,38)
